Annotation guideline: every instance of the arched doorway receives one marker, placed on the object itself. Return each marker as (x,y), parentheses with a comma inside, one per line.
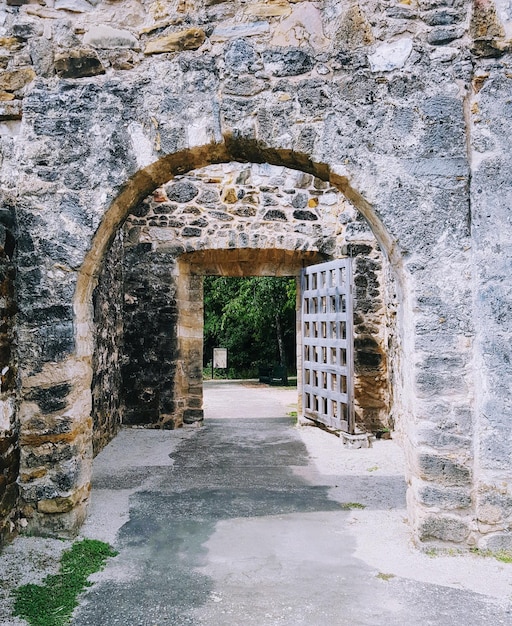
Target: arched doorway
(227,220)
(429,467)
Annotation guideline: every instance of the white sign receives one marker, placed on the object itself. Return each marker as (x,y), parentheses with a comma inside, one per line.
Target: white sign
(220,358)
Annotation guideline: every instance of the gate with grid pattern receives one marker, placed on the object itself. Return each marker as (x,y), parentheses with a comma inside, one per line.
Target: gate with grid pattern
(327,344)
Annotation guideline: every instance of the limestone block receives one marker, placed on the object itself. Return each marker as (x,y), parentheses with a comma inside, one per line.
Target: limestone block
(240,56)
(354,30)
(441,17)
(6,413)
(444,497)
(49,399)
(76,6)
(303,26)
(244,86)
(10,43)
(66,503)
(229,195)
(189,39)
(490,514)
(494,504)
(272,8)
(78,64)
(42,55)
(287,61)
(497,541)
(108,38)
(485,23)
(16,79)
(444,34)
(443,527)
(25,30)
(181,191)
(29,476)
(443,469)
(44,12)
(234,31)
(10,110)
(391,56)
(122,59)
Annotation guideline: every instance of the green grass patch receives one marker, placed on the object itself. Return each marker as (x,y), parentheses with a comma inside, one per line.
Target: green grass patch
(505,556)
(432,552)
(386,577)
(52,603)
(347,506)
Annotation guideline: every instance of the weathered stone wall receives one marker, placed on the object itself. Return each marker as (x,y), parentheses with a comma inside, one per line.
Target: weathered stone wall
(150,352)
(231,207)
(108,299)
(372,342)
(373,97)
(9,426)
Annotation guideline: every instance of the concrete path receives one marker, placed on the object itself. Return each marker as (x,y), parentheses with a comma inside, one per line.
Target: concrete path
(254,521)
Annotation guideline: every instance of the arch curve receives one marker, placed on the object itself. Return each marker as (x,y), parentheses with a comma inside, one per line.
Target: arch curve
(146,180)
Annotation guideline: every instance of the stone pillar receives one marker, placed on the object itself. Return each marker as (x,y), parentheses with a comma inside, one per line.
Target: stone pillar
(108,324)
(371,377)
(189,374)
(491,196)
(56,448)
(150,347)
(437,414)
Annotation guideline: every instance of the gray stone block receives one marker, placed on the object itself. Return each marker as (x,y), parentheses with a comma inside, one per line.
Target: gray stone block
(445,497)
(444,528)
(443,470)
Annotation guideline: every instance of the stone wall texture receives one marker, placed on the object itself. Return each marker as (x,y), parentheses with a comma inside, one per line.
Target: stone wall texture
(402,107)
(108,300)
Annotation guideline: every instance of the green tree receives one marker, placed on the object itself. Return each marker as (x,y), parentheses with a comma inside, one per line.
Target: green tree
(254,318)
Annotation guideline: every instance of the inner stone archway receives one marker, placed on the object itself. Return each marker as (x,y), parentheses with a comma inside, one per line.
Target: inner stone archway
(231,220)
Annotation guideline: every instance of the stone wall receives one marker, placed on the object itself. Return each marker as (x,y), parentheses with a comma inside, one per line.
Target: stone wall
(372,343)
(150,314)
(9,426)
(491,225)
(239,207)
(386,101)
(108,299)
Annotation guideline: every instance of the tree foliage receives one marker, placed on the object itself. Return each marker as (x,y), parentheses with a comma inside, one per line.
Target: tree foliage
(254,318)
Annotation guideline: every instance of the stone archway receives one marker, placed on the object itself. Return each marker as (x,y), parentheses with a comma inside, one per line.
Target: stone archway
(402,113)
(231,220)
(192,267)
(428,469)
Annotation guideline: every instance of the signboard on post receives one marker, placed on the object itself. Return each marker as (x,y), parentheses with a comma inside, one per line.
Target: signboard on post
(220,359)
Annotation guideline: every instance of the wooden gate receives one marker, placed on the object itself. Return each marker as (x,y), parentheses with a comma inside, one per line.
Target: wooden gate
(327,344)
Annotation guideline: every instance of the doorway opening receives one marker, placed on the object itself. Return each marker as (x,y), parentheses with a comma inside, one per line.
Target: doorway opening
(254,320)
(229,220)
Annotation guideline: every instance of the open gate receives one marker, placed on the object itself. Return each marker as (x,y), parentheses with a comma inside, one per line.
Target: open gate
(327,344)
